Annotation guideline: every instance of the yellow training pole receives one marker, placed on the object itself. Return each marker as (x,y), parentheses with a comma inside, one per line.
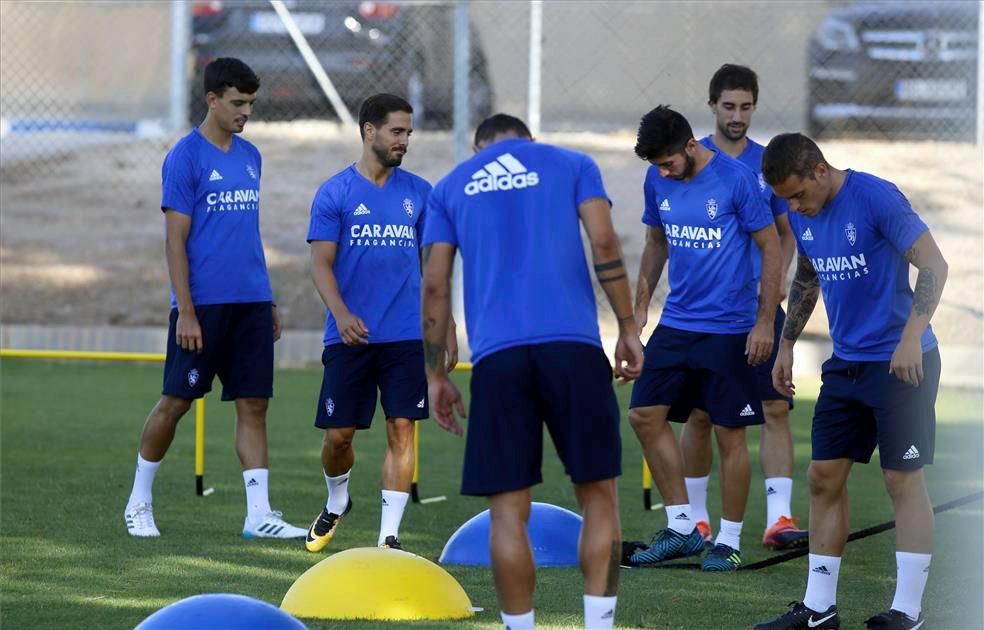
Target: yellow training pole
(80,355)
(414,494)
(647,485)
(200,447)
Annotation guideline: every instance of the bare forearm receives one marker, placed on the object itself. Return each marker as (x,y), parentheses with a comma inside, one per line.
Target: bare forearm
(612,276)
(803,296)
(327,286)
(177,269)
(436,313)
(770,283)
(926,297)
(654,258)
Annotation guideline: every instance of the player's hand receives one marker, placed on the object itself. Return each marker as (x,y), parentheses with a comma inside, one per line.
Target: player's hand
(188,332)
(445,401)
(628,358)
(782,371)
(452,346)
(278,324)
(758,344)
(352,330)
(906,363)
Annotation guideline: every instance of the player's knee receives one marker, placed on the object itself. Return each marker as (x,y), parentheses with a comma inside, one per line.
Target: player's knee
(642,421)
(699,420)
(776,414)
(172,409)
(252,407)
(399,434)
(824,478)
(338,440)
(731,441)
(903,483)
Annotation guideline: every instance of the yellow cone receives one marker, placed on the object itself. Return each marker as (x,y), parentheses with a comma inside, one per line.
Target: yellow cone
(371,583)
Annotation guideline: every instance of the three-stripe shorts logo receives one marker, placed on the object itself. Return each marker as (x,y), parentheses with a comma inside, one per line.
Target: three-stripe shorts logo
(503,173)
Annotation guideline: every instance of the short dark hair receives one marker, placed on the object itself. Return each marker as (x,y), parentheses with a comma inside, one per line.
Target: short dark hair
(500,123)
(377,107)
(790,154)
(733,77)
(662,132)
(227,72)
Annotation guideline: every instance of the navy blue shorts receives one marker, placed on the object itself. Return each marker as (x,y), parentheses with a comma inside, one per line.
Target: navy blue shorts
(515,391)
(763,372)
(354,373)
(237,346)
(862,406)
(692,370)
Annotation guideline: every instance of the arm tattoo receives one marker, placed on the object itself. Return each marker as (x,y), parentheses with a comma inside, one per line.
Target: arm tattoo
(608,266)
(803,297)
(614,560)
(925,298)
(429,323)
(612,279)
(433,353)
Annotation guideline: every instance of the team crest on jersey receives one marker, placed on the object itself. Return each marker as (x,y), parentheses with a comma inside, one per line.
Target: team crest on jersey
(251,171)
(761,183)
(712,208)
(852,233)
(329,406)
(408,207)
(193,377)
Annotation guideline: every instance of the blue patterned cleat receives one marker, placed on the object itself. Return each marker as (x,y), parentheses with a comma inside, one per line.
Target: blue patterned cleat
(668,545)
(721,558)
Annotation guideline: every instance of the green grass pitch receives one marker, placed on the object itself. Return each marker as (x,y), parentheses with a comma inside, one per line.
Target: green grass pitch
(68,439)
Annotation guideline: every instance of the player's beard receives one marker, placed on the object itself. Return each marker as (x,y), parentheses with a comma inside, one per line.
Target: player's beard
(688,169)
(731,134)
(386,157)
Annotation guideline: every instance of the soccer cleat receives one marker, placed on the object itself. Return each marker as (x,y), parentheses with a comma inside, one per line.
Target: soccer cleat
(140,520)
(894,620)
(666,545)
(392,542)
(272,525)
(783,534)
(322,530)
(705,531)
(721,558)
(800,617)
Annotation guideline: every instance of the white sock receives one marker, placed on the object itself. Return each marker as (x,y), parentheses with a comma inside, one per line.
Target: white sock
(599,612)
(257,493)
(778,495)
(678,518)
(697,493)
(338,494)
(518,622)
(821,585)
(730,534)
(913,571)
(143,482)
(389,520)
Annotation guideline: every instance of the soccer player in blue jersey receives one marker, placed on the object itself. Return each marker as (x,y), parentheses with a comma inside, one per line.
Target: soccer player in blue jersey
(857,237)
(704,213)
(223,321)
(733,96)
(515,210)
(364,234)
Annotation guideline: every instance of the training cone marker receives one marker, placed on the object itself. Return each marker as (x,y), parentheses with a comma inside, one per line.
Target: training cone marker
(220,611)
(553,533)
(373,583)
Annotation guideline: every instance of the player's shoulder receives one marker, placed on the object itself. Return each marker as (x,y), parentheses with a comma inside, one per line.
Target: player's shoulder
(188,146)
(337,185)
(754,151)
(246,145)
(414,180)
(731,168)
(708,142)
(868,184)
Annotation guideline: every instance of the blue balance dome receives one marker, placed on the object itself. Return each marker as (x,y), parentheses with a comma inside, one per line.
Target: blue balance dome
(553,533)
(220,611)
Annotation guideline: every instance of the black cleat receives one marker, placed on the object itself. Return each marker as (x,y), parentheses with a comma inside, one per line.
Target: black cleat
(800,617)
(322,530)
(392,542)
(894,620)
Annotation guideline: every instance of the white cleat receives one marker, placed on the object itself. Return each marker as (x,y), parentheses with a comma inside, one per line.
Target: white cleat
(272,525)
(140,520)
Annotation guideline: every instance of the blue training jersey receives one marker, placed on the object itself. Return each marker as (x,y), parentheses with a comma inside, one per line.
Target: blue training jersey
(752,158)
(220,191)
(856,245)
(708,222)
(512,211)
(377,264)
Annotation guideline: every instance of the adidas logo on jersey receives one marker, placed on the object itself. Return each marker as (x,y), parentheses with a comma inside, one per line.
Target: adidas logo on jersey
(912,453)
(664,205)
(214,177)
(807,235)
(747,411)
(420,405)
(503,173)
(822,570)
(362,209)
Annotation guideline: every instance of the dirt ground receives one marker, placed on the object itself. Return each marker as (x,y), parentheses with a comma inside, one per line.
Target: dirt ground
(81,237)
